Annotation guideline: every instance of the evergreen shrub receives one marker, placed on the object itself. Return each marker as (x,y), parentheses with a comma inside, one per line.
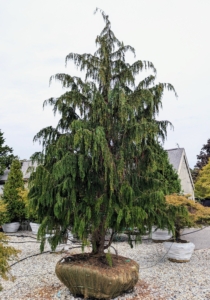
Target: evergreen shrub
(100,167)
(15,207)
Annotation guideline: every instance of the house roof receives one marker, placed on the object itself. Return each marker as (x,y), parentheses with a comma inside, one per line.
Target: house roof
(175,157)
(5,175)
(24,168)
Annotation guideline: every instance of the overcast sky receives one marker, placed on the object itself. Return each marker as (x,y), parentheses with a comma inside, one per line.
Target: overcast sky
(36,35)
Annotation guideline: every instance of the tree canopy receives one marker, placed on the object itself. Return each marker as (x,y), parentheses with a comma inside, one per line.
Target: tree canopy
(6,155)
(202,160)
(100,167)
(202,185)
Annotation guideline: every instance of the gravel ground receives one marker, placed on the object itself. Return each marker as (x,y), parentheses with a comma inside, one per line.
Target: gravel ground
(159,278)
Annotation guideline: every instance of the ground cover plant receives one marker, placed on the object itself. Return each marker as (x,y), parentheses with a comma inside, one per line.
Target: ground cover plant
(100,168)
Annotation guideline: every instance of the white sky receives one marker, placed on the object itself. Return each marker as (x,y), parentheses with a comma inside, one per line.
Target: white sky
(36,35)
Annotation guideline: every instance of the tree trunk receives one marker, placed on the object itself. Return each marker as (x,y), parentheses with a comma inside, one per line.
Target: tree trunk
(177,233)
(98,240)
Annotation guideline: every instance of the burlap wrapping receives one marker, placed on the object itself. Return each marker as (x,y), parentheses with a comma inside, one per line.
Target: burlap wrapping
(97,281)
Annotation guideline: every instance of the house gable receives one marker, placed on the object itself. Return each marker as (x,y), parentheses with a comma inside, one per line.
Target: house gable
(178,159)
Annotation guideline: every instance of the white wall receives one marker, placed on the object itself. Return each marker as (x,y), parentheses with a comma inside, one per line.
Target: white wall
(186,184)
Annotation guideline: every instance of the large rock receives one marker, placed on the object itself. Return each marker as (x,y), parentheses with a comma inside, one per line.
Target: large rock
(91,276)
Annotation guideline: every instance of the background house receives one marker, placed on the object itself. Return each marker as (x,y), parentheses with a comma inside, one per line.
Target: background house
(178,159)
(25,164)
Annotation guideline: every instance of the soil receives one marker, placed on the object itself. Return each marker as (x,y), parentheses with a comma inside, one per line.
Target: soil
(100,261)
(178,241)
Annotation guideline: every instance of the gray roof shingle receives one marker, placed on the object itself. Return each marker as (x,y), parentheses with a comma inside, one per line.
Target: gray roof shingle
(175,156)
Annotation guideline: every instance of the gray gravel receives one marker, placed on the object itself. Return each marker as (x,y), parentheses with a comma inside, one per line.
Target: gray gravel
(198,236)
(161,279)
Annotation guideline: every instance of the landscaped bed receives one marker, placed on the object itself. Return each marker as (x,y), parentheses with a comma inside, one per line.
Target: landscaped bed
(159,278)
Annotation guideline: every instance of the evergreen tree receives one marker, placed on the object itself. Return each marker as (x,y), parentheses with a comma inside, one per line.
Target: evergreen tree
(166,174)
(14,204)
(98,167)
(6,155)
(202,185)
(203,158)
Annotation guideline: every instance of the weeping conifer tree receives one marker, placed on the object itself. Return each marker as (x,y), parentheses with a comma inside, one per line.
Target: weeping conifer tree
(96,169)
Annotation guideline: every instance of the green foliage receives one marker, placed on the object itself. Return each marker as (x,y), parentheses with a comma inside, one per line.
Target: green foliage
(202,185)
(101,168)
(166,174)
(30,212)
(3,212)
(202,161)
(6,253)
(6,155)
(14,203)
(189,213)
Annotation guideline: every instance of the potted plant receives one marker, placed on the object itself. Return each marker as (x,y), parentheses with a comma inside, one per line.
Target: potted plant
(15,207)
(194,215)
(96,170)
(34,227)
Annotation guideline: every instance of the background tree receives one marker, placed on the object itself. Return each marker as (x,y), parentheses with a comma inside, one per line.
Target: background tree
(202,185)
(203,158)
(14,204)
(98,167)
(6,155)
